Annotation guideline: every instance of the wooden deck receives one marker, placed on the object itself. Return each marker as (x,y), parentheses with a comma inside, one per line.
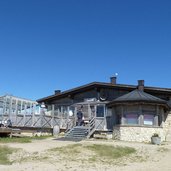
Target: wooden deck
(4,130)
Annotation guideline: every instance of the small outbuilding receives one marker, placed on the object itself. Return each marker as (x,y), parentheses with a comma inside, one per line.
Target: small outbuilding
(137,115)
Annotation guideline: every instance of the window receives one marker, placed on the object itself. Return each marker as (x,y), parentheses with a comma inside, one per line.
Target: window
(149,112)
(131,118)
(100,111)
(148,119)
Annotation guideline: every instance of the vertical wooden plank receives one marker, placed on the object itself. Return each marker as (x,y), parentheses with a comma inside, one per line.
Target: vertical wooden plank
(41,117)
(3,110)
(10,108)
(162,118)
(30,111)
(141,116)
(25,111)
(16,111)
(33,114)
(52,116)
(122,116)
(75,115)
(5,105)
(156,117)
(21,107)
(67,115)
(105,122)
(61,120)
(89,111)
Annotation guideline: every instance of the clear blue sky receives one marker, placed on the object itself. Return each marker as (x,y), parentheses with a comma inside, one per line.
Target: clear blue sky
(61,44)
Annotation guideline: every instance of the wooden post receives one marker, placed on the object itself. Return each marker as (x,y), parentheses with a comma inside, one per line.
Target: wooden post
(156,117)
(58,113)
(16,111)
(162,114)
(41,117)
(89,111)
(33,114)
(61,120)
(5,105)
(52,116)
(21,106)
(30,111)
(141,116)
(122,116)
(67,117)
(105,122)
(75,115)
(10,109)
(24,114)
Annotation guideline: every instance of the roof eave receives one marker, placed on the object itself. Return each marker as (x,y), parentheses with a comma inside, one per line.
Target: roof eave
(101,84)
(114,103)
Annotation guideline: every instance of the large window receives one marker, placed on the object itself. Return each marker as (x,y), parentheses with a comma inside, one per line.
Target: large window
(100,111)
(131,118)
(149,112)
(148,119)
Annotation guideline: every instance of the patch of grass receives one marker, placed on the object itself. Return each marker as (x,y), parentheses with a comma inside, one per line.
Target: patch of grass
(41,137)
(4,152)
(110,152)
(21,139)
(93,153)
(15,140)
(70,149)
(92,159)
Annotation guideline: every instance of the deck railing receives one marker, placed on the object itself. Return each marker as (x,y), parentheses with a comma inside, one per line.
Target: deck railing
(91,126)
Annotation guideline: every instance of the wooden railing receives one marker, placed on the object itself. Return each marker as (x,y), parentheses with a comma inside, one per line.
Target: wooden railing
(91,127)
(70,124)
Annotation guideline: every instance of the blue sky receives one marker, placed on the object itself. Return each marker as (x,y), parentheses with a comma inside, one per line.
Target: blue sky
(61,44)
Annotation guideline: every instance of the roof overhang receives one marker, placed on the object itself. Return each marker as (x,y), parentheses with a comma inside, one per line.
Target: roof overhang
(96,85)
(114,104)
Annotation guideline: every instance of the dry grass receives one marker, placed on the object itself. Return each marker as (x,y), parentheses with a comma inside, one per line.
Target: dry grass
(111,152)
(21,139)
(92,153)
(4,154)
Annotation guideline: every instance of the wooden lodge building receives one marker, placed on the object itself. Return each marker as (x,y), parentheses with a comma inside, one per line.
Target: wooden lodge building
(129,112)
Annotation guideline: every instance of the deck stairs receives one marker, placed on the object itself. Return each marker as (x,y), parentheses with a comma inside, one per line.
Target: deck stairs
(82,132)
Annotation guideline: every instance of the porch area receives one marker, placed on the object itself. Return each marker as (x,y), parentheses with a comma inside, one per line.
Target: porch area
(93,118)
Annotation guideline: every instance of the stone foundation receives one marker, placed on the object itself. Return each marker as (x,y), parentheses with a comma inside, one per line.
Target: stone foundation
(143,133)
(136,133)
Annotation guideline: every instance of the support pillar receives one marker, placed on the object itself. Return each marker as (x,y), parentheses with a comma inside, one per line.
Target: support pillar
(10,109)
(141,116)
(16,111)
(52,116)
(122,116)
(156,117)
(24,113)
(33,114)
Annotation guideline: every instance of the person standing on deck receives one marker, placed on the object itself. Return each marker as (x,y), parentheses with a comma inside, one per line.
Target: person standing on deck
(79,118)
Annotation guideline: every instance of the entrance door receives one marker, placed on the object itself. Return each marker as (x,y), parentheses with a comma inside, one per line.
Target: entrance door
(100,117)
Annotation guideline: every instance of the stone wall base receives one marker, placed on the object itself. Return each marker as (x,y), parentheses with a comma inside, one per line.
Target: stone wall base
(137,134)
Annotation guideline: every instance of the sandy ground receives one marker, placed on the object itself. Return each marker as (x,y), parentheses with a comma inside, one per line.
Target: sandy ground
(37,157)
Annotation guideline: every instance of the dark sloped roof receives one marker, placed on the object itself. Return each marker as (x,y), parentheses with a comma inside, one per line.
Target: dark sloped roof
(101,84)
(138,96)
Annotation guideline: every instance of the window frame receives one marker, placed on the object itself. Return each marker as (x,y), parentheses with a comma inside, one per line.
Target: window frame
(104,109)
(130,119)
(149,114)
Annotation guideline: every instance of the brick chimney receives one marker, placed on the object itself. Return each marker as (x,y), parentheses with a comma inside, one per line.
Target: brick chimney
(57,92)
(141,85)
(113,80)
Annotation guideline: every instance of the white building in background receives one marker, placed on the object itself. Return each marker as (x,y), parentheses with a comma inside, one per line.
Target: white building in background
(12,105)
